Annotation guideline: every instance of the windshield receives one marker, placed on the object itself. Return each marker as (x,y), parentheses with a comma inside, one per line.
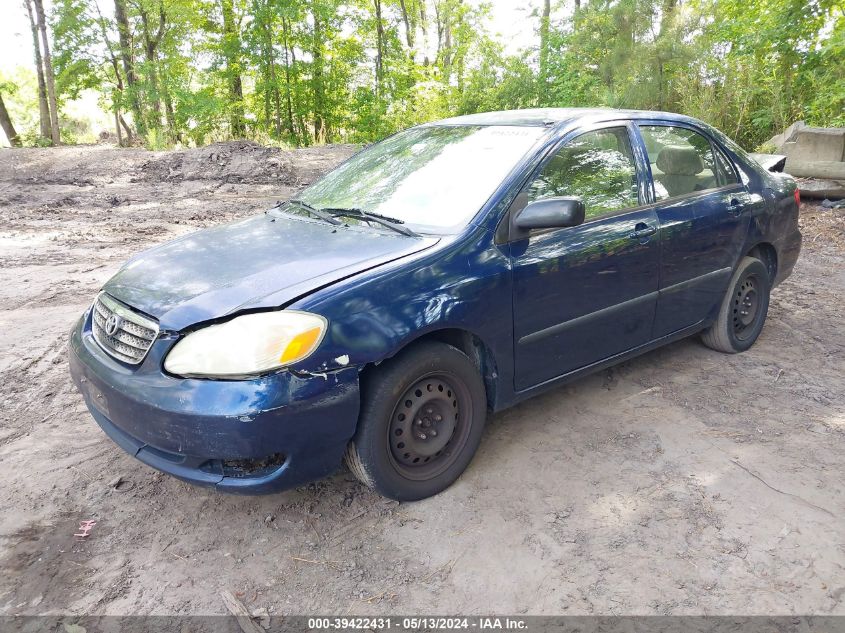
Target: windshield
(430,177)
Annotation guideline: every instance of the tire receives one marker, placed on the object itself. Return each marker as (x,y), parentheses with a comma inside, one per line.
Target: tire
(743,311)
(422,416)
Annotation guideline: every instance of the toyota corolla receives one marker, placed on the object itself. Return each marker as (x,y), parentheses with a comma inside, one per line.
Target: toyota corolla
(451,270)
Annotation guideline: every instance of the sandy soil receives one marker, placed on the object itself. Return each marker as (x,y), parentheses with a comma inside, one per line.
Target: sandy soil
(683,482)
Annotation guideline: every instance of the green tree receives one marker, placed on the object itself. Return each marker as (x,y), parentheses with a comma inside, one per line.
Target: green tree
(302,72)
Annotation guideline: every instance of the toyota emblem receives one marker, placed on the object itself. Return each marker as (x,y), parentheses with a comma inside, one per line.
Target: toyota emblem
(113,324)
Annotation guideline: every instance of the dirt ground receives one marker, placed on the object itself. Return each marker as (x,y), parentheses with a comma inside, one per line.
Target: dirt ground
(682,482)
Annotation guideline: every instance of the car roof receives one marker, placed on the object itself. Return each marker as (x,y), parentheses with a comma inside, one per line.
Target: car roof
(548,117)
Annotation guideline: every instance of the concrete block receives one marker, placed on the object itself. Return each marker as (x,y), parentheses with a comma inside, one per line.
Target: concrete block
(831,169)
(815,144)
(788,134)
(821,189)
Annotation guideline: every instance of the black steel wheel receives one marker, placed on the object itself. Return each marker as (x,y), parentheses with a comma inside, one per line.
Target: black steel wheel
(426,432)
(746,307)
(743,310)
(421,421)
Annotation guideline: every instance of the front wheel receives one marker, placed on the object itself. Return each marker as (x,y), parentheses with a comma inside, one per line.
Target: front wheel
(743,311)
(422,415)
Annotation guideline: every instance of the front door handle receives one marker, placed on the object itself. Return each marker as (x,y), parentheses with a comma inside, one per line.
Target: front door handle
(642,230)
(735,207)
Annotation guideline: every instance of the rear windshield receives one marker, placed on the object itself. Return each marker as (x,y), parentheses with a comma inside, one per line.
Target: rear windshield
(433,178)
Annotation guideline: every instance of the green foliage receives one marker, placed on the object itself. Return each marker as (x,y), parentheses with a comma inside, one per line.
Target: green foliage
(824,78)
(769,65)
(20,94)
(297,72)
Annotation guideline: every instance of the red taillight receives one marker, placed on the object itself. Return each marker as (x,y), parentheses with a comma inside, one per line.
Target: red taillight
(798,196)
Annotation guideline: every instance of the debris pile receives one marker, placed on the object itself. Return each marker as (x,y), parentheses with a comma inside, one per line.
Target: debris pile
(227,162)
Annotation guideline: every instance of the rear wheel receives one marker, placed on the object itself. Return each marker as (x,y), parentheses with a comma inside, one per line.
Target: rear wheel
(743,311)
(422,415)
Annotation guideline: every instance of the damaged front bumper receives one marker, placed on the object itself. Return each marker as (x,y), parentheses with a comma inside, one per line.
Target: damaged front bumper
(253,436)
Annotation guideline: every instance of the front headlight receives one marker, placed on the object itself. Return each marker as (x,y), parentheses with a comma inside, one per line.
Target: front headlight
(249,344)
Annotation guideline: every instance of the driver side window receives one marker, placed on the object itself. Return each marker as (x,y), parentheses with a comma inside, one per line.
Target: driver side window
(598,167)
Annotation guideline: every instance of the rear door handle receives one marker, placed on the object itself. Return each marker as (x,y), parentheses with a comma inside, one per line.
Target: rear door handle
(642,230)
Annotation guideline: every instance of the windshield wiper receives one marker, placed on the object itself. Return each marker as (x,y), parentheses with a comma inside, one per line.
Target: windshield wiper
(369,216)
(357,211)
(317,213)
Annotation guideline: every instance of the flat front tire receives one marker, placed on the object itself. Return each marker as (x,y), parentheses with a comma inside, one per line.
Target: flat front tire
(743,310)
(422,416)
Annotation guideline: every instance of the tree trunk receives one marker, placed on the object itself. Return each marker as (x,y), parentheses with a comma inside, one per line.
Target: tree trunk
(447,47)
(125,38)
(153,94)
(127,129)
(117,126)
(118,79)
(268,88)
(443,19)
(317,79)
(379,48)
(6,124)
(424,28)
(289,102)
(272,98)
(409,34)
(232,52)
(667,16)
(48,74)
(43,108)
(151,43)
(262,17)
(544,50)
(277,99)
(169,114)
(666,19)
(299,126)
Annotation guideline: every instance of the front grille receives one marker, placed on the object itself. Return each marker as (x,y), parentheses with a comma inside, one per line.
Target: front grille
(122,332)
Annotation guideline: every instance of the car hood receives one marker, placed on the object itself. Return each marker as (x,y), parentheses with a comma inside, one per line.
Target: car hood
(265,261)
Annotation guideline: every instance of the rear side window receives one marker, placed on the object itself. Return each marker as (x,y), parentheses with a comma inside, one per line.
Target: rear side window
(682,161)
(725,170)
(597,167)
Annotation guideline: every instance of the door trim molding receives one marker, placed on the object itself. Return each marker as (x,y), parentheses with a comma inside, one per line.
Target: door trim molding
(684,285)
(522,394)
(586,318)
(625,305)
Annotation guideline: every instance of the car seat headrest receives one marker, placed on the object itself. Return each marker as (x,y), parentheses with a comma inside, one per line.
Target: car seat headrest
(679,161)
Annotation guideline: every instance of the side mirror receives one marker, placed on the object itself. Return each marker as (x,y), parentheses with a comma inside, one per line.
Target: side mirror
(551,213)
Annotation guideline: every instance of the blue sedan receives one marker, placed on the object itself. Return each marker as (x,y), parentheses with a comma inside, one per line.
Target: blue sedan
(452,269)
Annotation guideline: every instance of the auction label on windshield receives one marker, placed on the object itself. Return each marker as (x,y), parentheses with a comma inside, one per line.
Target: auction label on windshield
(418,623)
